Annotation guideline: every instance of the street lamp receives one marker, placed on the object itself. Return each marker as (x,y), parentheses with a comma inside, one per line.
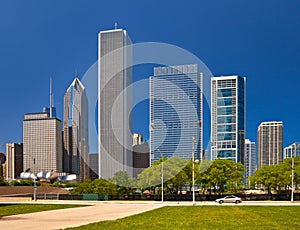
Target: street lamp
(292,195)
(34,181)
(162,176)
(193,170)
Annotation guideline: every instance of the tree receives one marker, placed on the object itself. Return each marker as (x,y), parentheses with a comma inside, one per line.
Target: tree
(98,186)
(222,175)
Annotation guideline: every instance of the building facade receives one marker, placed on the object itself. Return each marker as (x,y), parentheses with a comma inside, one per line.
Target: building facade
(270,143)
(94,165)
(292,151)
(250,159)
(76,140)
(42,143)
(114,102)
(137,139)
(141,158)
(14,161)
(228,118)
(176,112)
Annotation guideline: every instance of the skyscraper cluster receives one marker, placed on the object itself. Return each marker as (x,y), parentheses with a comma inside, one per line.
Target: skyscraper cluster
(176,122)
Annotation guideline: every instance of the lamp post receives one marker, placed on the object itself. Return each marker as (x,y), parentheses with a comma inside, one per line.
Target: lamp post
(193,171)
(34,181)
(292,194)
(162,176)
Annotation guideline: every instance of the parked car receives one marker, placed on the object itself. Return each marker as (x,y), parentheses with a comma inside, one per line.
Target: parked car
(229,199)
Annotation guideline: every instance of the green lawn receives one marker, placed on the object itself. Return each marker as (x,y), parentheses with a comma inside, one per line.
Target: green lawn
(14,209)
(208,217)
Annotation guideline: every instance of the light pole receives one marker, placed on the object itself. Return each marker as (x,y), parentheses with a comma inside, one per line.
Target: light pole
(34,181)
(193,171)
(292,195)
(162,176)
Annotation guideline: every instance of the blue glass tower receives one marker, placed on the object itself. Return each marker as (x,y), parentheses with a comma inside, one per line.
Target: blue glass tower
(228,118)
(175,112)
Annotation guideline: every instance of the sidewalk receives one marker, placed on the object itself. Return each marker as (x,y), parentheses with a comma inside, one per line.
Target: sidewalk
(60,219)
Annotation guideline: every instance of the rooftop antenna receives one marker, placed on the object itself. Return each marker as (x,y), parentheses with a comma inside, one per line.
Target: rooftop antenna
(116,25)
(50,96)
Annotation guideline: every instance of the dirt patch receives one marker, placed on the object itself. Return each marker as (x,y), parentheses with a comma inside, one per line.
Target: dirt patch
(13,190)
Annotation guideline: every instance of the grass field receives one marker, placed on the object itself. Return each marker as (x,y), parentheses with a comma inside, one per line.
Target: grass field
(208,217)
(14,209)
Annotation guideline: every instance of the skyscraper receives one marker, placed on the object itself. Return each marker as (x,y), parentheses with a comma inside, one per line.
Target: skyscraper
(14,160)
(115,99)
(175,112)
(292,151)
(270,143)
(42,143)
(76,146)
(250,159)
(228,117)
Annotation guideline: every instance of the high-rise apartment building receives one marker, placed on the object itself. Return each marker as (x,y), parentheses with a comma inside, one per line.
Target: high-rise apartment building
(270,143)
(292,151)
(14,160)
(250,159)
(114,102)
(76,146)
(42,143)
(228,117)
(176,112)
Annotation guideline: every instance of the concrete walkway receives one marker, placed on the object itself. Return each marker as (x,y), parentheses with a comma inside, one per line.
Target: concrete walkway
(60,219)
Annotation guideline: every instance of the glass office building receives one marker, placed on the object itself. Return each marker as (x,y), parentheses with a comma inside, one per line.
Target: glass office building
(228,117)
(175,112)
(250,159)
(76,147)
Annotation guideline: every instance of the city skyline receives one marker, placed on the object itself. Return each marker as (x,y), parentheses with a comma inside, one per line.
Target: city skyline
(253,52)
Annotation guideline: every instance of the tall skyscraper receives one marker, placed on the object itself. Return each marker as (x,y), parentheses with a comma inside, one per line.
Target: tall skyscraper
(176,112)
(250,159)
(270,143)
(14,160)
(42,143)
(292,151)
(115,99)
(76,141)
(228,117)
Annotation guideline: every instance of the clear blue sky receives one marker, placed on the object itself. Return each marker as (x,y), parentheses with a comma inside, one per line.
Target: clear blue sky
(256,39)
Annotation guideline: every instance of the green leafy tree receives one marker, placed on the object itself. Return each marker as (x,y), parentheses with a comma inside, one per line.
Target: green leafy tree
(98,186)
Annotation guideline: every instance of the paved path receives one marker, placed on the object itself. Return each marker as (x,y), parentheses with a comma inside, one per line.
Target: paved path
(59,219)
(100,211)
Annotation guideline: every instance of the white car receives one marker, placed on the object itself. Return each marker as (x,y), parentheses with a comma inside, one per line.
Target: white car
(229,199)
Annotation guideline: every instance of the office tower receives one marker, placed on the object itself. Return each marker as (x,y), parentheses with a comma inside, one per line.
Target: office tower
(14,160)
(228,117)
(270,143)
(250,159)
(42,143)
(114,102)
(176,112)
(94,165)
(137,139)
(292,151)
(141,158)
(76,146)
